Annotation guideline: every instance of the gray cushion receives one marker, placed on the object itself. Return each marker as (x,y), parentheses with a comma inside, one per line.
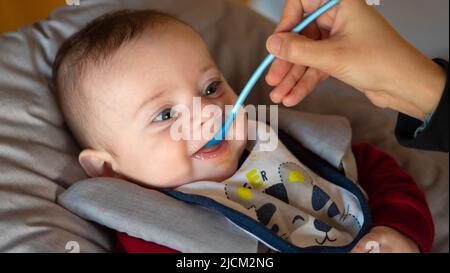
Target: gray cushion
(155,217)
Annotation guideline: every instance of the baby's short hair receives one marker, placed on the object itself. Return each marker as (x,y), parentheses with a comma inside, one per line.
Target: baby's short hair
(93,45)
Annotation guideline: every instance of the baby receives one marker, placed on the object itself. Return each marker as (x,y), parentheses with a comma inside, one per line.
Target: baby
(117,82)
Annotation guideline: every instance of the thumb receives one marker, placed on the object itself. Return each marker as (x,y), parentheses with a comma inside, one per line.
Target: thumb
(301,50)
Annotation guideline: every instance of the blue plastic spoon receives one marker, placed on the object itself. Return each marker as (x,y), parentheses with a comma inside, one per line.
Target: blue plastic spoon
(259,71)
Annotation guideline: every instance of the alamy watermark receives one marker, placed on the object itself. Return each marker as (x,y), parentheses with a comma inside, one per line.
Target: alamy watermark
(373,247)
(73,2)
(203,122)
(72,247)
(373,2)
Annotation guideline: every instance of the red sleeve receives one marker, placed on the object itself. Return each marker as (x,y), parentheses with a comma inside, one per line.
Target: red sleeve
(394,198)
(126,243)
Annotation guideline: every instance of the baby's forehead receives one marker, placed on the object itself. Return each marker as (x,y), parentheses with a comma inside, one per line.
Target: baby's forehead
(153,61)
(174,35)
(173,48)
(173,39)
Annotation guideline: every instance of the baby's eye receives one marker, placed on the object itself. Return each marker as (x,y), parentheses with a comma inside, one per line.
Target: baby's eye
(166,114)
(213,90)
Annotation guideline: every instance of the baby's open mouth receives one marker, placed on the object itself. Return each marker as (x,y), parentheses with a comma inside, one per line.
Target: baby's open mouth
(211,152)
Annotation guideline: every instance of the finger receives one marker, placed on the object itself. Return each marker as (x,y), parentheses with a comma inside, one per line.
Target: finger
(280,68)
(294,10)
(324,21)
(278,72)
(293,13)
(287,84)
(303,88)
(291,16)
(310,6)
(304,51)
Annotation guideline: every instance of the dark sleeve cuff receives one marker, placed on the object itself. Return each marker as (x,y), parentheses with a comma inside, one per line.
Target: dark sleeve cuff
(433,137)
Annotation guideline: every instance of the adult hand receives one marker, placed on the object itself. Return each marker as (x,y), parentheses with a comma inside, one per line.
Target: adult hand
(356,45)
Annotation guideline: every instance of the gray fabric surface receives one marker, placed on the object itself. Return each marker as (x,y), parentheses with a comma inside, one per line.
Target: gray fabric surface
(38,157)
(155,217)
(328,136)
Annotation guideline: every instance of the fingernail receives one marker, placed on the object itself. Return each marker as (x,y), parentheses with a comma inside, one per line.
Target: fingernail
(274,97)
(274,44)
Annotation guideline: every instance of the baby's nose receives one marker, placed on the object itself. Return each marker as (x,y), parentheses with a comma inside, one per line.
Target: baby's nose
(212,111)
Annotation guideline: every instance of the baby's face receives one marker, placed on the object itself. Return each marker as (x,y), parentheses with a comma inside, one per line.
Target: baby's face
(134,95)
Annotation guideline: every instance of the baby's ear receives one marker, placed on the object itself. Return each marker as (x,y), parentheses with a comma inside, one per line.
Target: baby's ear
(96,163)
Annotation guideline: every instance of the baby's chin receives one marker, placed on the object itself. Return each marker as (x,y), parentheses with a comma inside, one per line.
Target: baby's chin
(223,175)
(219,178)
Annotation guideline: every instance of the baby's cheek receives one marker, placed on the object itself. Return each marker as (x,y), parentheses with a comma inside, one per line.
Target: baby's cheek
(168,170)
(230,96)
